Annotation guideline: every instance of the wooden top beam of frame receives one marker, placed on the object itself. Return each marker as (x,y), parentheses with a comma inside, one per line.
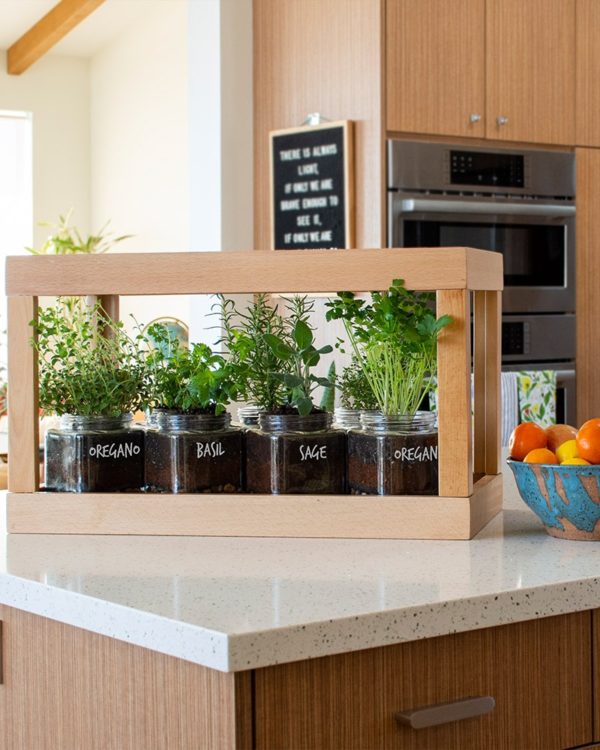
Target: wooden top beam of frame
(255,271)
(47,32)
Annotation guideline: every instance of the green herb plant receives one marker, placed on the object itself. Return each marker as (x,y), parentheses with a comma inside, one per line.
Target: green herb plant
(393,340)
(68,240)
(82,372)
(189,380)
(273,355)
(298,352)
(355,389)
(253,360)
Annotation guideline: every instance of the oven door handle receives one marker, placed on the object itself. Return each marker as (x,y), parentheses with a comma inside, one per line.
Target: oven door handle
(411,205)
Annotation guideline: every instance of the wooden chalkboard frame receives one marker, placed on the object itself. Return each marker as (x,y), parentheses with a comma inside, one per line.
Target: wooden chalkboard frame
(347,127)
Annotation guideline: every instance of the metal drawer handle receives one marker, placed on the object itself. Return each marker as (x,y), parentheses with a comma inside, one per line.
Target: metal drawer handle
(444,713)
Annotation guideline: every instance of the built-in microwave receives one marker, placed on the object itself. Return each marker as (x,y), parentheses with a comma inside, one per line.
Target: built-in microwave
(519,203)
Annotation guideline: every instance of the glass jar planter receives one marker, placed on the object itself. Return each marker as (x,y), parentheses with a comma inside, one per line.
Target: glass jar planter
(346,419)
(94,454)
(193,453)
(394,455)
(248,415)
(293,454)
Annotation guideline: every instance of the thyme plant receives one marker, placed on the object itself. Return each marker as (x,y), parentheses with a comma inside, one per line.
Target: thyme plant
(82,372)
(355,389)
(393,340)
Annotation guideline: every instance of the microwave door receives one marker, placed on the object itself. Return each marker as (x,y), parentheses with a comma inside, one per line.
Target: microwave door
(538,246)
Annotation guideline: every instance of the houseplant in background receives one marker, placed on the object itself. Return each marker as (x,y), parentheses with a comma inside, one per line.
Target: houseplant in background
(294,450)
(93,383)
(190,443)
(393,340)
(68,240)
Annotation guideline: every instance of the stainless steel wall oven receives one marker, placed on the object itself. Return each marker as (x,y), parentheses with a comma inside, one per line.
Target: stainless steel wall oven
(517,202)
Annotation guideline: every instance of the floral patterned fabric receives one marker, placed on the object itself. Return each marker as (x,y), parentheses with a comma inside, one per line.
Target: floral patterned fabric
(537,396)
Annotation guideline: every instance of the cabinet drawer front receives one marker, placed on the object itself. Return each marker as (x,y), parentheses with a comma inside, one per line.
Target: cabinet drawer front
(538,673)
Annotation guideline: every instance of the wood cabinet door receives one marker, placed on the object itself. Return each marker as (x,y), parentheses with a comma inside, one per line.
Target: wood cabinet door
(64,688)
(435,66)
(530,70)
(538,672)
(587,60)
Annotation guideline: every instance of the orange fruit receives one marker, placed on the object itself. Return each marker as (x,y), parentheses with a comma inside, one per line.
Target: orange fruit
(524,438)
(540,456)
(588,441)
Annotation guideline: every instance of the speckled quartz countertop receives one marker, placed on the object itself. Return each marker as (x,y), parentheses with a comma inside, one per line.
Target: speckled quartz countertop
(234,604)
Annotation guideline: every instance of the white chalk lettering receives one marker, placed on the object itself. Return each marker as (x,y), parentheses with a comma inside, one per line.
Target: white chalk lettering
(114,450)
(209,450)
(301,187)
(334,200)
(298,237)
(303,220)
(327,184)
(316,452)
(425,453)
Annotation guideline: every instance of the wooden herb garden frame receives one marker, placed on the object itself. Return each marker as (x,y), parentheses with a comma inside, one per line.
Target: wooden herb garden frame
(470,483)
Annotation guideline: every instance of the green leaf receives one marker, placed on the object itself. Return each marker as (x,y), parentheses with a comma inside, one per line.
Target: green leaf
(279,348)
(302,335)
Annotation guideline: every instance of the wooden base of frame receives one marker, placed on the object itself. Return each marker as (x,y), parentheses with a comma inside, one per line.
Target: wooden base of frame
(328,516)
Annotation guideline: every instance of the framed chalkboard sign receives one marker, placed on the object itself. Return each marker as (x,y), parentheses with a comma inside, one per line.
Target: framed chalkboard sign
(312,187)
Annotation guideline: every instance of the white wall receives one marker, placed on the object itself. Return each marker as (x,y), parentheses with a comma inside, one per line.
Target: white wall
(171,135)
(139,137)
(56,91)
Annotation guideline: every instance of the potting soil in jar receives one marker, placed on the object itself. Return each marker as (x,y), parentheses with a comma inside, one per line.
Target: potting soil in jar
(293,454)
(394,455)
(193,453)
(94,454)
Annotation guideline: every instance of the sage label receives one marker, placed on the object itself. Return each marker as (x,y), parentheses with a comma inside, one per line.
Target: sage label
(316,452)
(210,450)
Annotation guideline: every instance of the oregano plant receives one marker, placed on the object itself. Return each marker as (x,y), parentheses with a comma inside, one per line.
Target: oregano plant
(81,371)
(393,339)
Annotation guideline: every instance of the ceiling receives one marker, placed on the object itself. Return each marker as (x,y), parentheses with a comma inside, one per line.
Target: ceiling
(85,40)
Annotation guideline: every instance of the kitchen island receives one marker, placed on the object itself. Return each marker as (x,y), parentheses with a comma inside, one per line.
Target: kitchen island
(336,616)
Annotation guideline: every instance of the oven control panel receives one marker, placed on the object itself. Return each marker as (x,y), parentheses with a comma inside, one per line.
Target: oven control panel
(538,338)
(487,168)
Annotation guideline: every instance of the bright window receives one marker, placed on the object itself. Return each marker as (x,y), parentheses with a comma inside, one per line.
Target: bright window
(16,197)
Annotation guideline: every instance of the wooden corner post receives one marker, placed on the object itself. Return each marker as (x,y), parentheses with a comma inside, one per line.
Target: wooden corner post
(23,426)
(455,461)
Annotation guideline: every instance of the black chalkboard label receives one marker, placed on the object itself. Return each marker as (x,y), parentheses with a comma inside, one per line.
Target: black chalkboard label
(310,184)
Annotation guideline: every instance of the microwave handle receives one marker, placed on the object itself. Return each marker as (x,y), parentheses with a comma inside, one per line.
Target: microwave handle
(410,205)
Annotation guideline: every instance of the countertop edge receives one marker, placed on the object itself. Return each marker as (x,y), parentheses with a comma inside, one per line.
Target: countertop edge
(243,651)
(193,643)
(372,630)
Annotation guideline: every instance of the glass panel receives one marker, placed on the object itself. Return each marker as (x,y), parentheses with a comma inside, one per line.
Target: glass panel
(534,254)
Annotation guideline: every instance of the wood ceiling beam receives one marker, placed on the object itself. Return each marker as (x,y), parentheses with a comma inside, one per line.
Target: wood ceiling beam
(47,32)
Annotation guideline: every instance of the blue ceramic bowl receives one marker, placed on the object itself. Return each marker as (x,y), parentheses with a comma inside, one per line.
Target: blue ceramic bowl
(565,498)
